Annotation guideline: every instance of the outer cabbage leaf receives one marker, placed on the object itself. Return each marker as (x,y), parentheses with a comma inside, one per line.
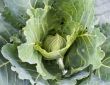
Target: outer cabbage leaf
(15,11)
(93,80)
(104,71)
(6,30)
(2,6)
(86,50)
(105,29)
(18,8)
(7,76)
(24,70)
(73,80)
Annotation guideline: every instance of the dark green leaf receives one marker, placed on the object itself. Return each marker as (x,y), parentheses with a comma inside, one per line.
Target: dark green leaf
(6,30)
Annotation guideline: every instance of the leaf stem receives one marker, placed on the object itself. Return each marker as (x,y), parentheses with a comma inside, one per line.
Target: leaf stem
(4,64)
(61,65)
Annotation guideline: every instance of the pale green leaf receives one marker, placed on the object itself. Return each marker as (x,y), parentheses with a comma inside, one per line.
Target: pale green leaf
(35,29)
(34,32)
(33,57)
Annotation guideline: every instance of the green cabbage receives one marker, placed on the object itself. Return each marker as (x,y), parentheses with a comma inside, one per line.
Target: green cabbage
(54,42)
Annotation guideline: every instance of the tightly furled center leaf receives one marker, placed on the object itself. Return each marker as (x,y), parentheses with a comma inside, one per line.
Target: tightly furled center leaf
(53,43)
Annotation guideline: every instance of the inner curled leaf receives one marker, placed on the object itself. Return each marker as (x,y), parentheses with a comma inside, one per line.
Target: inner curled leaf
(54,43)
